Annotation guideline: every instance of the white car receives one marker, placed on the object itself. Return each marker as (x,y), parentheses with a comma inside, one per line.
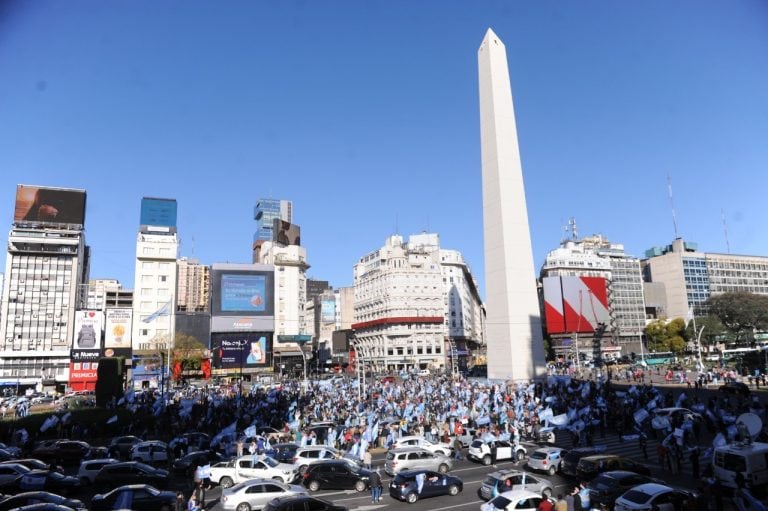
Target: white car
(254,494)
(151,451)
(546,459)
(482,451)
(89,468)
(418,441)
(311,454)
(515,500)
(228,473)
(652,496)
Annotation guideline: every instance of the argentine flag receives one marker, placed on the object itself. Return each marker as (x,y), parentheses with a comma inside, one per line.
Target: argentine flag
(164,310)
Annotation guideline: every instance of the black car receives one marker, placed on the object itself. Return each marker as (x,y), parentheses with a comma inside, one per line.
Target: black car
(283,453)
(590,466)
(130,472)
(44,506)
(65,452)
(336,475)
(30,463)
(192,441)
(301,502)
(120,446)
(571,459)
(405,485)
(736,387)
(34,497)
(608,486)
(136,497)
(188,463)
(39,480)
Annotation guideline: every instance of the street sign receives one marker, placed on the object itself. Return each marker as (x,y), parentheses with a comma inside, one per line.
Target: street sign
(294,338)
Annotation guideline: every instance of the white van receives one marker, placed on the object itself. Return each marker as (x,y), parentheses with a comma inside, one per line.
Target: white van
(751,459)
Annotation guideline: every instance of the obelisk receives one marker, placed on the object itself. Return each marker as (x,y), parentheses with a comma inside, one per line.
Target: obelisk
(513,322)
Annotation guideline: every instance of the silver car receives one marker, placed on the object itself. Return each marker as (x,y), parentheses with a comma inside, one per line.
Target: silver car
(502,481)
(254,494)
(546,459)
(416,458)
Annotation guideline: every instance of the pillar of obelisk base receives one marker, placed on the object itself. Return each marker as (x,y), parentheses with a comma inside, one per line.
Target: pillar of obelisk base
(513,322)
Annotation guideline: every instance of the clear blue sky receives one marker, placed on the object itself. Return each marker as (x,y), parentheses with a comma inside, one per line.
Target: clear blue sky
(365,115)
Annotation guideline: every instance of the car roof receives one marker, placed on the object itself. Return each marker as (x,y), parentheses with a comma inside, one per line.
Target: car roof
(408,449)
(595,457)
(500,474)
(550,449)
(618,474)
(653,488)
(515,495)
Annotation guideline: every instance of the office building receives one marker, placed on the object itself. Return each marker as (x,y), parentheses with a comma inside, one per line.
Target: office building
(193,292)
(265,213)
(103,293)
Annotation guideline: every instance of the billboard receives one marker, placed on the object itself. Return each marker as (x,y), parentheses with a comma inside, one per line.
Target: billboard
(575,304)
(245,350)
(83,375)
(328,310)
(158,215)
(88,328)
(50,206)
(242,292)
(117,328)
(285,233)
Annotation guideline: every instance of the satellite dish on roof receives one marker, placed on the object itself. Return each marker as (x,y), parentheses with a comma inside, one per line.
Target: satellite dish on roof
(752,422)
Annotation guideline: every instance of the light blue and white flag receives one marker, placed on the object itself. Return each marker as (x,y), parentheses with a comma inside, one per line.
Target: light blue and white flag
(164,310)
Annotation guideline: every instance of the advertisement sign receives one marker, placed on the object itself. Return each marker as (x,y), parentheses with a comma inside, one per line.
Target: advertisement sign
(575,304)
(328,310)
(285,233)
(81,373)
(117,329)
(158,213)
(42,205)
(88,327)
(246,350)
(243,293)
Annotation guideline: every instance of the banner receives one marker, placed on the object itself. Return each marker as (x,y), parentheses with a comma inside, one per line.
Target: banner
(117,331)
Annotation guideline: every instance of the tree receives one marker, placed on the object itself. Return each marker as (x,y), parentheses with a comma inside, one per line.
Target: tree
(187,352)
(741,313)
(713,330)
(664,335)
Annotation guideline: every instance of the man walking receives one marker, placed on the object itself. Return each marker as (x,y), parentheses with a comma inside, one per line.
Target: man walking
(376,486)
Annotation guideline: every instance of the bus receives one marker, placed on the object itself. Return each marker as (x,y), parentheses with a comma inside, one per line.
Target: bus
(660,358)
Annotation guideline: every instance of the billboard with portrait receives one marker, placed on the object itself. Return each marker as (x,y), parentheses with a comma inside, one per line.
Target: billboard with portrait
(242,292)
(158,213)
(246,350)
(117,328)
(49,206)
(88,329)
(285,233)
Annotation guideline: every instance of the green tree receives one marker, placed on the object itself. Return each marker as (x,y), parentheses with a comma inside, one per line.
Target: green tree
(188,351)
(741,313)
(656,334)
(713,330)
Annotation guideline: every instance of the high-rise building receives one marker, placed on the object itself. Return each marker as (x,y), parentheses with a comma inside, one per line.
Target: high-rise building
(154,294)
(515,345)
(265,212)
(103,293)
(193,292)
(46,263)
(403,304)
(690,277)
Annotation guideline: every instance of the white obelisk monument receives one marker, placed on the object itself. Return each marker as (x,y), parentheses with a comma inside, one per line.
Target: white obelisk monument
(513,323)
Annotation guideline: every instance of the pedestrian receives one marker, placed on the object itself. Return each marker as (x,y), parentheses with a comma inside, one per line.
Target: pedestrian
(239,446)
(545,505)
(367,459)
(456,448)
(199,494)
(493,454)
(252,451)
(376,486)
(561,504)
(180,504)
(193,505)
(643,445)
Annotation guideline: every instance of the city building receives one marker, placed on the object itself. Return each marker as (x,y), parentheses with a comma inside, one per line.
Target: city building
(690,277)
(103,293)
(154,294)
(193,292)
(515,346)
(403,305)
(601,288)
(265,213)
(46,263)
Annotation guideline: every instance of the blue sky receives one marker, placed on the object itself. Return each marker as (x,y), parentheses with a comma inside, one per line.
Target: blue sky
(365,115)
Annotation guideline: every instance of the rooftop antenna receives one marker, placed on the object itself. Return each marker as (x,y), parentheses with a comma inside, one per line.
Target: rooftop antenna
(672,205)
(573,229)
(725,231)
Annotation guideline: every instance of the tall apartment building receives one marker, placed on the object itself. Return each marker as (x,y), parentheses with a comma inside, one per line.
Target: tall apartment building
(101,294)
(154,294)
(690,277)
(46,263)
(402,304)
(193,292)
(265,213)
(598,258)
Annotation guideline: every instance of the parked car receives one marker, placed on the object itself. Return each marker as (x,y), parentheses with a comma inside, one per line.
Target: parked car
(136,497)
(590,466)
(735,387)
(66,452)
(608,486)
(120,446)
(311,454)
(481,451)
(30,463)
(546,459)
(44,506)
(405,485)
(11,471)
(467,436)
(652,496)
(227,473)
(48,480)
(571,459)
(294,502)
(256,494)
(152,451)
(192,441)
(283,453)
(517,500)
(35,497)
(418,441)
(502,481)
(89,468)
(416,458)
(130,472)
(188,463)
(13,451)
(337,475)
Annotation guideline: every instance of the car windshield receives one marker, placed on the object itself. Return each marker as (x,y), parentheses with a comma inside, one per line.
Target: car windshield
(145,467)
(272,462)
(390,456)
(602,483)
(538,455)
(636,497)
(491,481)
(500,502)
(477,443)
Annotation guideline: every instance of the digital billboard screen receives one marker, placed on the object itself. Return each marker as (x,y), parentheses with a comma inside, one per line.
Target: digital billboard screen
(285,233)
(158,213)
(42,205)
(242,293)
(246,350)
